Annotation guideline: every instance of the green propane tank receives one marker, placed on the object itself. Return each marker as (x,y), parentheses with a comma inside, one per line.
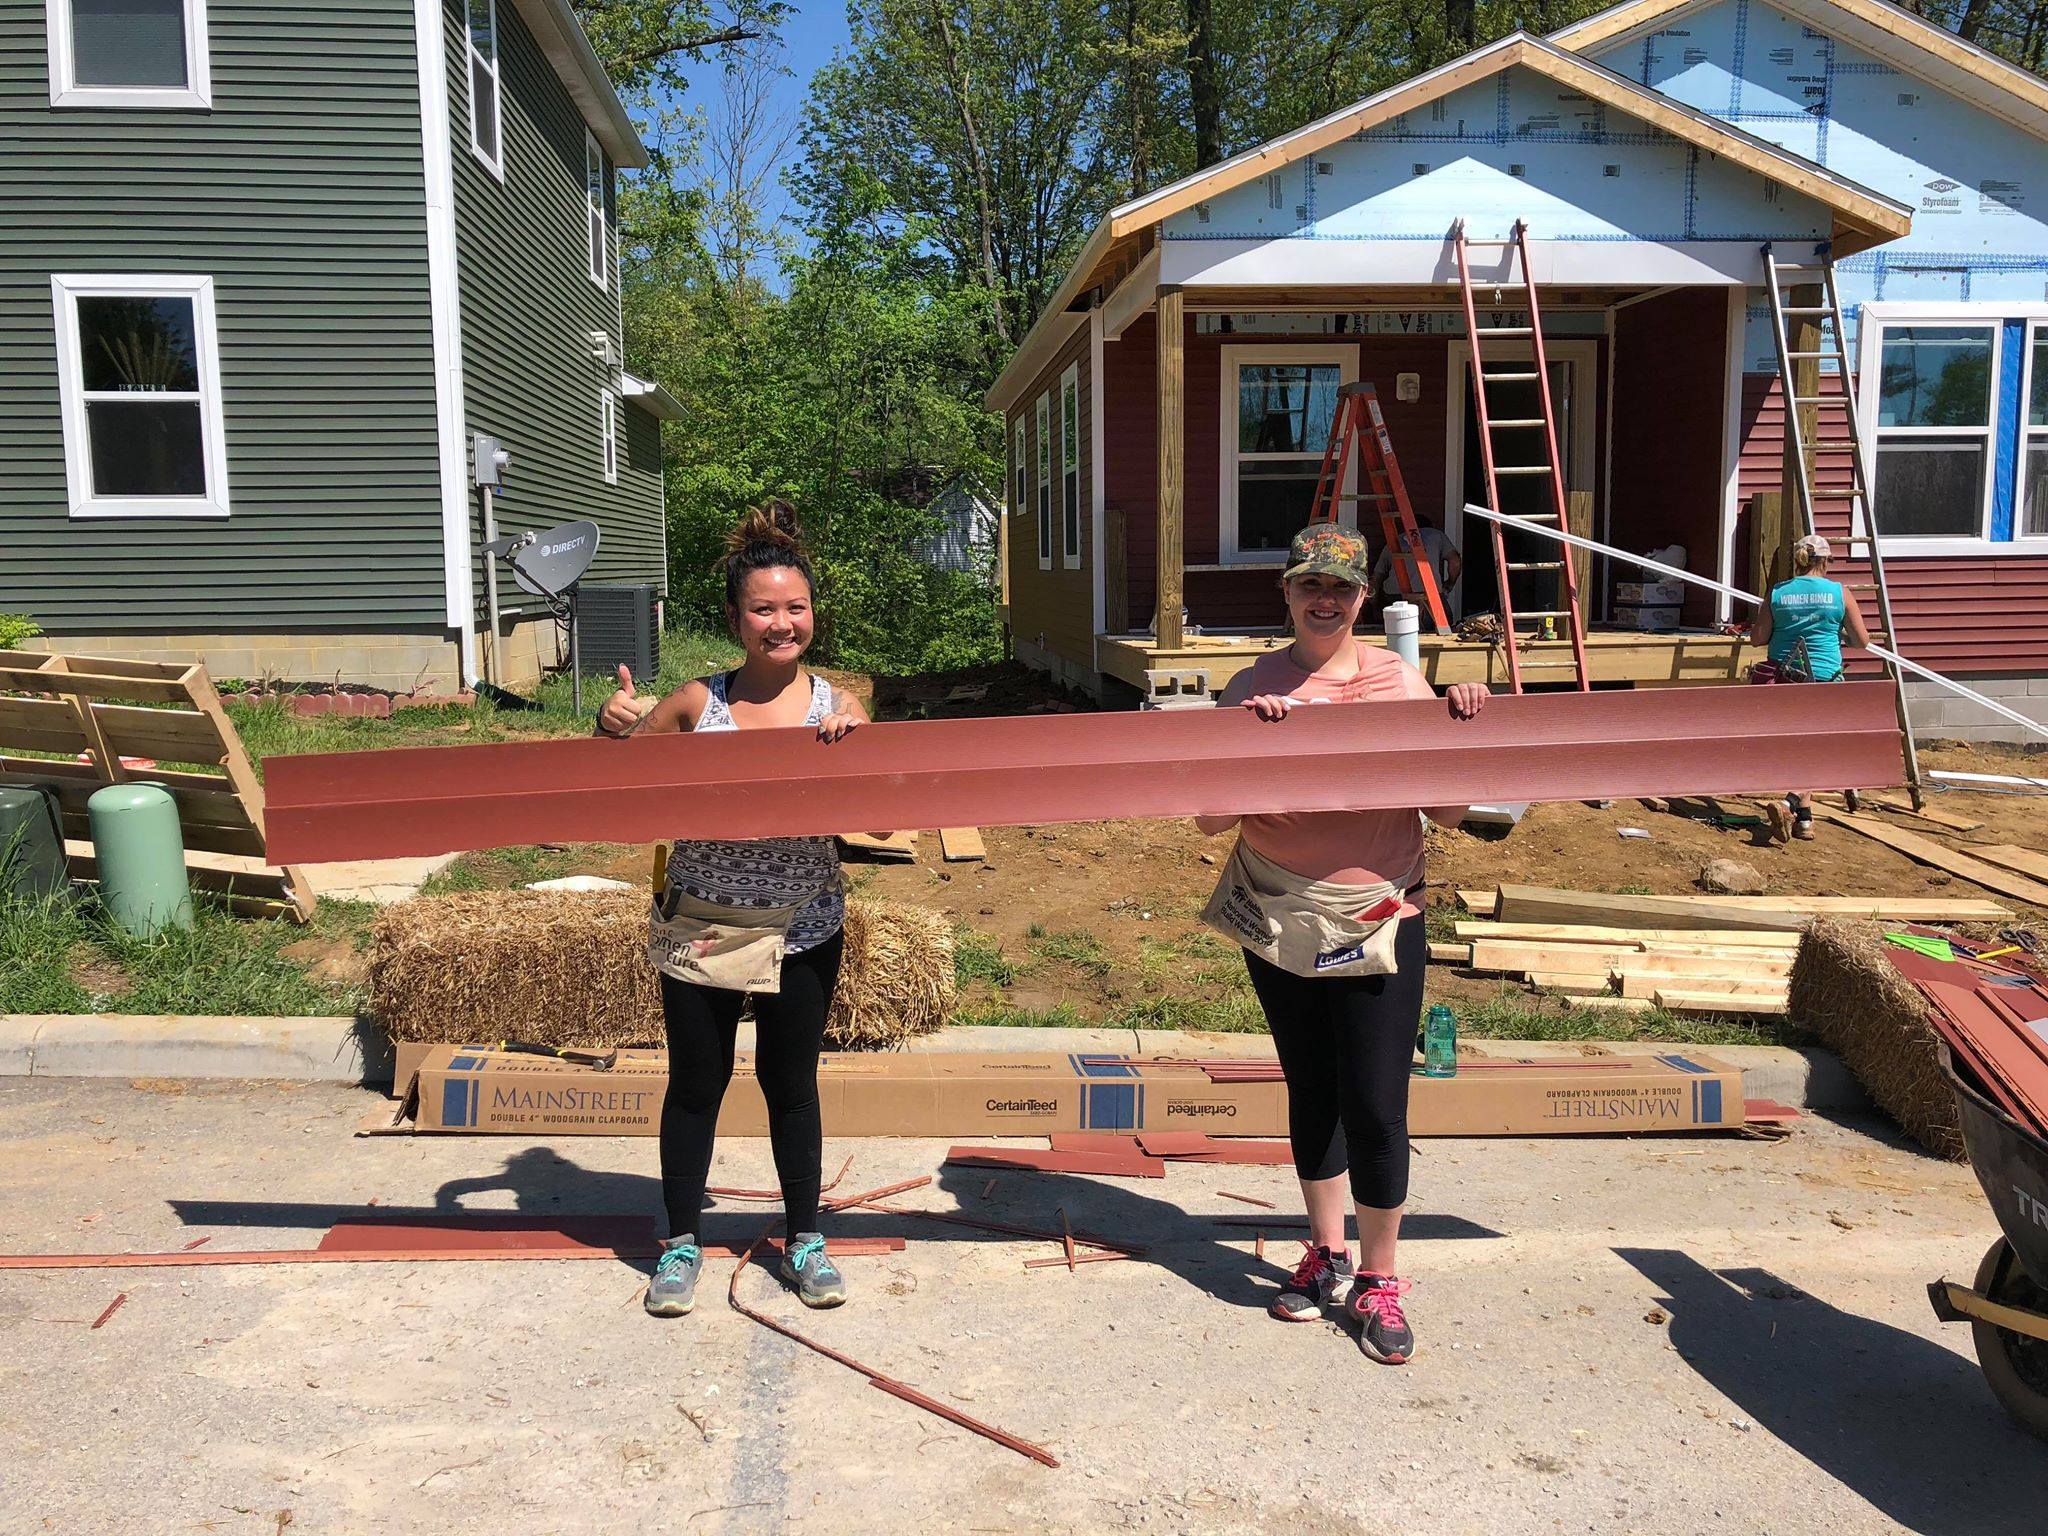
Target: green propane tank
(31,844)
(141,854)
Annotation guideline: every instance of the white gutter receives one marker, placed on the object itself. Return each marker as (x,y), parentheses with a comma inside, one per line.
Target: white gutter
(650,397)
(445,304)
(568,52)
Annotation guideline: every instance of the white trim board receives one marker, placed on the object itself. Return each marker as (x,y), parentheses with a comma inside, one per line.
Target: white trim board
(1098,476)
(196,94)
(444,297)
(66,289)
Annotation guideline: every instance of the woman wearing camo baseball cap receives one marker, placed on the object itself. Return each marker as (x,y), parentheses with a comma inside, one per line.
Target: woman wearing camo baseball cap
(1327,906)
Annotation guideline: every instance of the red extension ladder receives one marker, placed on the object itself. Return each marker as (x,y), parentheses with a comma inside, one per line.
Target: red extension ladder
(1358,425)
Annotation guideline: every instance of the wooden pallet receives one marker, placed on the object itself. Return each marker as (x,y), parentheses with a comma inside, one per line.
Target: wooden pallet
(75,724)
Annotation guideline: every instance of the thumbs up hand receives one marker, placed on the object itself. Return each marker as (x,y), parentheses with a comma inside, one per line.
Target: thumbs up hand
(624,709)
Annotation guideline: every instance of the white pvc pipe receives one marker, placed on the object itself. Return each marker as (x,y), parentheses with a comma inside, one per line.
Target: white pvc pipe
(1750,597)
(1995,780)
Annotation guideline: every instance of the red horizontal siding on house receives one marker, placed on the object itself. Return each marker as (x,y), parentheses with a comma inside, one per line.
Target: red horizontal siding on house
(1956,613)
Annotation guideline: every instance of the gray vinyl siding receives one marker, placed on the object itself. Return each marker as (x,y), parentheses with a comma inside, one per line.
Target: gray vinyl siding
(530,377)
(300,194)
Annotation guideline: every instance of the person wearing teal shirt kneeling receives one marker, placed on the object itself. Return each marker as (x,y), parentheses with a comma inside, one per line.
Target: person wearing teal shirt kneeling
(1802,625)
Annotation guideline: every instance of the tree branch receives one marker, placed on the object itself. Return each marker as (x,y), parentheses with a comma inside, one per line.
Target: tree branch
(688,45)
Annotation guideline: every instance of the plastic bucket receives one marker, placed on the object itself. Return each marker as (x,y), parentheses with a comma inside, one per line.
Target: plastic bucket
(1403,623)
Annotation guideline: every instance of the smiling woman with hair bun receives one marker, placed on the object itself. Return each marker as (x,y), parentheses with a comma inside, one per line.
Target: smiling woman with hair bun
(738,919)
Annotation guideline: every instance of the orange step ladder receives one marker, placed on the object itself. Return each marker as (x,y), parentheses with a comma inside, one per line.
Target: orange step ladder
(1359,427)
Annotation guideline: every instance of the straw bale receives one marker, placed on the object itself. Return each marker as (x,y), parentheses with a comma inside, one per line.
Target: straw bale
(569,968)
(1848,993)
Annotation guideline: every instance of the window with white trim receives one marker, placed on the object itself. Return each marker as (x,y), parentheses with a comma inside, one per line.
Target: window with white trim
(2033,456)
(594,179)
(486,126)
(1933,446)
(608,428)
(138,373)
(1278,405)
(1070,466)
(1044,423)
(1020,470)
(128,53)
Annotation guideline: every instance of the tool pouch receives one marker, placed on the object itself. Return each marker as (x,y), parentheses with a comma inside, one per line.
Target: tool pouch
(736,949)
(1307,927)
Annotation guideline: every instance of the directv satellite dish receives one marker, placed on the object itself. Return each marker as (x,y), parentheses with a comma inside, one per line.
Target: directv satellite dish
(549,564)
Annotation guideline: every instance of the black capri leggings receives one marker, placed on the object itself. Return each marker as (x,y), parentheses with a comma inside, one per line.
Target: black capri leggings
(703,1024)
(1346,1044)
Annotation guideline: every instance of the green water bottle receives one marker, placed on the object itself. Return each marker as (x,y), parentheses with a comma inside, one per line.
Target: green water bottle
(1440,1042)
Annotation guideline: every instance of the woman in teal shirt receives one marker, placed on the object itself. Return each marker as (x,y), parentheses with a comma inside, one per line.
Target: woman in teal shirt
(1802,625)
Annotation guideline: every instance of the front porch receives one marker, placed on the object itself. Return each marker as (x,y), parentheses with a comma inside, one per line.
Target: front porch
(1206,663)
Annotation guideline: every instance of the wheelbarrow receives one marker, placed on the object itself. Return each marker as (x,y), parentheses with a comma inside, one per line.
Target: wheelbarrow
(2007,1308)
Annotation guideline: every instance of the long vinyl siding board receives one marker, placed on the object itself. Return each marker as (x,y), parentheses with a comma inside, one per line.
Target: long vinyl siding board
(530,376)
(300,194)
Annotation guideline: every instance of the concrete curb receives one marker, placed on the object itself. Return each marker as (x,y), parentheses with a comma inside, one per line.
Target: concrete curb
(347,1050)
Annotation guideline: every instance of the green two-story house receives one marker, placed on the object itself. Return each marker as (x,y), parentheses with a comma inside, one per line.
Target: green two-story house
(268,269)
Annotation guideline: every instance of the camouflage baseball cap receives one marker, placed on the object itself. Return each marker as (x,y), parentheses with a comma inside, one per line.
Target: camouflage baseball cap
(1329,549)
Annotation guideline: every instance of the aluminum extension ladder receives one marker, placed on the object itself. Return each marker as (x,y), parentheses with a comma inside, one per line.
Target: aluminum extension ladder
(1861,541)
(1551,467)
(1359,426)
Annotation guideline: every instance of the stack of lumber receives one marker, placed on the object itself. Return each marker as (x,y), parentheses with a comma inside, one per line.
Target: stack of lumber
(1683,953)
(1995,1021)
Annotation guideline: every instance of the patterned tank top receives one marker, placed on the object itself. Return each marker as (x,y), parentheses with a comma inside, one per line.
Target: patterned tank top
(770,871)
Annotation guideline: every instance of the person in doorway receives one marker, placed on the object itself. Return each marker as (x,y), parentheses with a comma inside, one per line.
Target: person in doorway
(1437,548)
(1327,907)
(1801,625)
(759,918)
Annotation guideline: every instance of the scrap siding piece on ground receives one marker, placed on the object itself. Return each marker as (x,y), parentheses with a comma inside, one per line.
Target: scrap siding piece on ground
(1080,767)
(114,722)
(1995,1021)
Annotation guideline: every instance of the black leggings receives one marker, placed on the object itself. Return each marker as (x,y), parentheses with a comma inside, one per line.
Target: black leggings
(703,1023)
(1346,1044)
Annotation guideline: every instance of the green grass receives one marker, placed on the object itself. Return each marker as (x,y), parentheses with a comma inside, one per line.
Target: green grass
(499,869)
(36,940)
(1231,1011)
(1440,923)
(977,957)
(1083,951)
(1009,1016)
(1518,1016)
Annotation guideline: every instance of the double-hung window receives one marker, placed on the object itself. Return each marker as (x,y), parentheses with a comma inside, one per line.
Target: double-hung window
(1070,466)
(1278,405)
(138,372)
(2033,455)
(486,125)
(1020,470)
(1044,424)
(128,53)
(594,179)
(608,429)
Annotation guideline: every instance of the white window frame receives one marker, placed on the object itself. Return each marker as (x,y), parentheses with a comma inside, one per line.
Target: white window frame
(595,222)
(608,430)
(1020,467)
(472,56)
(1871,324)
(1229,555)
(66,289)
(2036,328)
(1045,508)
(1070,470)
(65,91)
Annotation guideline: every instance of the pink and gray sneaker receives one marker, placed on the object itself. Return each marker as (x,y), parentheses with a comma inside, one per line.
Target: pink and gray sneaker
(1321,1279)
(1383,1331)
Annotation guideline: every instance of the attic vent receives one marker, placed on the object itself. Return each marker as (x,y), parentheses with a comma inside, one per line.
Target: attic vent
(1610,170)
(1323,167)
(1771,193)
(1418,169)
(1518,170)
(1201,213)
(1908,99)
(1439,110)
(1273,194)
(1301,211)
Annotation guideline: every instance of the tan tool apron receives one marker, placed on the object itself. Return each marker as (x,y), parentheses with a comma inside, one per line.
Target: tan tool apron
(1307,927)
(736,949)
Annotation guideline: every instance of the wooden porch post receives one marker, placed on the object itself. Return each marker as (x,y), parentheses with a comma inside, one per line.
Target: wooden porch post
(1802,334)
(1172,368)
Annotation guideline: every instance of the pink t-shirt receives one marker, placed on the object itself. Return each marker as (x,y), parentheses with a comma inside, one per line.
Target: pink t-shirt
(1350,847)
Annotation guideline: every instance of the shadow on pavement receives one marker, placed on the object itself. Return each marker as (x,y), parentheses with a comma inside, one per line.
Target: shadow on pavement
(1903,1422)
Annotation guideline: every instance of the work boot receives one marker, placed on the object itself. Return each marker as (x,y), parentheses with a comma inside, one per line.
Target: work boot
(1802,827)
(1383,1331)
(1780,816)
(1322,1279)
(673,1290)
(806,1266)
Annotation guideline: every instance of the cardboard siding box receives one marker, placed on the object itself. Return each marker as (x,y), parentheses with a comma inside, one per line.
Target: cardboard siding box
(1667,592)
(1648,617)
(475,1089)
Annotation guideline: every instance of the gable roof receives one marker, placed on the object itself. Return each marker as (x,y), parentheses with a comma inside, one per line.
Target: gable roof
(568,52)
(1889,32)
(1862,218)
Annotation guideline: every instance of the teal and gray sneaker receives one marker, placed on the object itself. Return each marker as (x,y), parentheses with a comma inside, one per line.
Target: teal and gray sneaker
(805,1265)
(673,1290)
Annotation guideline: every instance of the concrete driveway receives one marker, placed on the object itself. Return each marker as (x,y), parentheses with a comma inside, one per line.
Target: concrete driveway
(1656,1335)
